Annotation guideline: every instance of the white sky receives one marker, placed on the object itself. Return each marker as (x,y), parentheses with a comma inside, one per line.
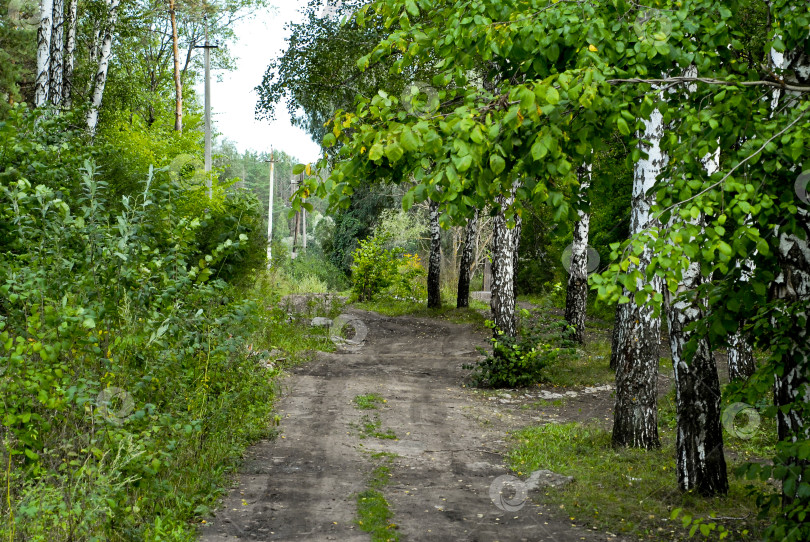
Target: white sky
(233,98)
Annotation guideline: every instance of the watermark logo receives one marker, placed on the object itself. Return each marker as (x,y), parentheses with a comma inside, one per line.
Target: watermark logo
(652,26)
(419,98)
(348,332)
(115,405)
(732,420)
(330,8)
(591,255)
(188,168)
(508,493)
(800,186)
(23,14)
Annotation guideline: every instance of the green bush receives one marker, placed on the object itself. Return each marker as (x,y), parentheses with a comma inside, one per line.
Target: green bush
(520,361)
(97,297)
(375,268)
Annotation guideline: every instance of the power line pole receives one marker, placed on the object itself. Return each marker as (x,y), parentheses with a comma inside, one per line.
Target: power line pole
(272,163)
(293,190)
(207,48)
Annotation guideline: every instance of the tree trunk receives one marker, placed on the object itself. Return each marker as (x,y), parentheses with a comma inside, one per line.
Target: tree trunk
(504,249)
(792,386)
(576,297)
(463,299)
(70,49)
(178,84)
(434,263)
(103,65)
(57,45)
(700,463)
(741,362)
(636,345)
(44,53)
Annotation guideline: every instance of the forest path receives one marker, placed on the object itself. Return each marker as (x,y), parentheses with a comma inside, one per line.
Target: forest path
(302,486)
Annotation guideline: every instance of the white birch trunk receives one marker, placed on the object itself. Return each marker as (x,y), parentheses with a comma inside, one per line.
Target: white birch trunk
(504,255)
(103,65)
(43,52)
(636,342)
(700,463)
(576,298)
(467,256)
(70,51)
(792,286)
(57,45)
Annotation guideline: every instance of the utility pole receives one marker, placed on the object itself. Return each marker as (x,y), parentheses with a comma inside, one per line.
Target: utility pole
(272,163)
(207,48)
(293,190)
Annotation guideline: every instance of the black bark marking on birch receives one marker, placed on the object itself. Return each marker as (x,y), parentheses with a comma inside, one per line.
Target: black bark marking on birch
(741,362)
(463,298)
(576,295)
(434,262)
(636,342)
(504,249)
(792,286)
(700,463)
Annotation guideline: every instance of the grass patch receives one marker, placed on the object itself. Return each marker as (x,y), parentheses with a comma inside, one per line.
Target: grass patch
(590,368)
(369,401)
(626,490)
(374,516)
(371,426)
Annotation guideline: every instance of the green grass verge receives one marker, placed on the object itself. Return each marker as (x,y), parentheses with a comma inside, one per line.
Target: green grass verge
(630,491)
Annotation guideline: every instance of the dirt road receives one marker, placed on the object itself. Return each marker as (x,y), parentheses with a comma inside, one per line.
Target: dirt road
(449,448)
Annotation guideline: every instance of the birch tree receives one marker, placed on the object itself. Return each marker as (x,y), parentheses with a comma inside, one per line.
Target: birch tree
(700,463)
(505,241)
(57,53)
(100,79)
(70,51)
(637,340)
(576,297)
(467,260)
(44,52)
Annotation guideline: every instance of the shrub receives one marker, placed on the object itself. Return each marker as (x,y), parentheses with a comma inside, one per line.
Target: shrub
(96,298)
(520,361)
(375,268)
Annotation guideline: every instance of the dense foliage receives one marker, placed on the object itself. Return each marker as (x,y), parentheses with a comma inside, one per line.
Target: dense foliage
(123,335)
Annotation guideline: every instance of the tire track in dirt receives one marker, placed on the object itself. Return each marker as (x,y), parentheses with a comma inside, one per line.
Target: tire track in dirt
(302,485)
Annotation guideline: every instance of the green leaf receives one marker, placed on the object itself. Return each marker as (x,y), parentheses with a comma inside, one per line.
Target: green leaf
(412,8)
(407,200)
(552,96)
(539,149)
(375,153)
(497,164)
(394,151)
(298,169)
(624,128)
(408,140)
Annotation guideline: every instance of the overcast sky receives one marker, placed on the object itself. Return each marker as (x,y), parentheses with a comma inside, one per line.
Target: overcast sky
(233,98)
